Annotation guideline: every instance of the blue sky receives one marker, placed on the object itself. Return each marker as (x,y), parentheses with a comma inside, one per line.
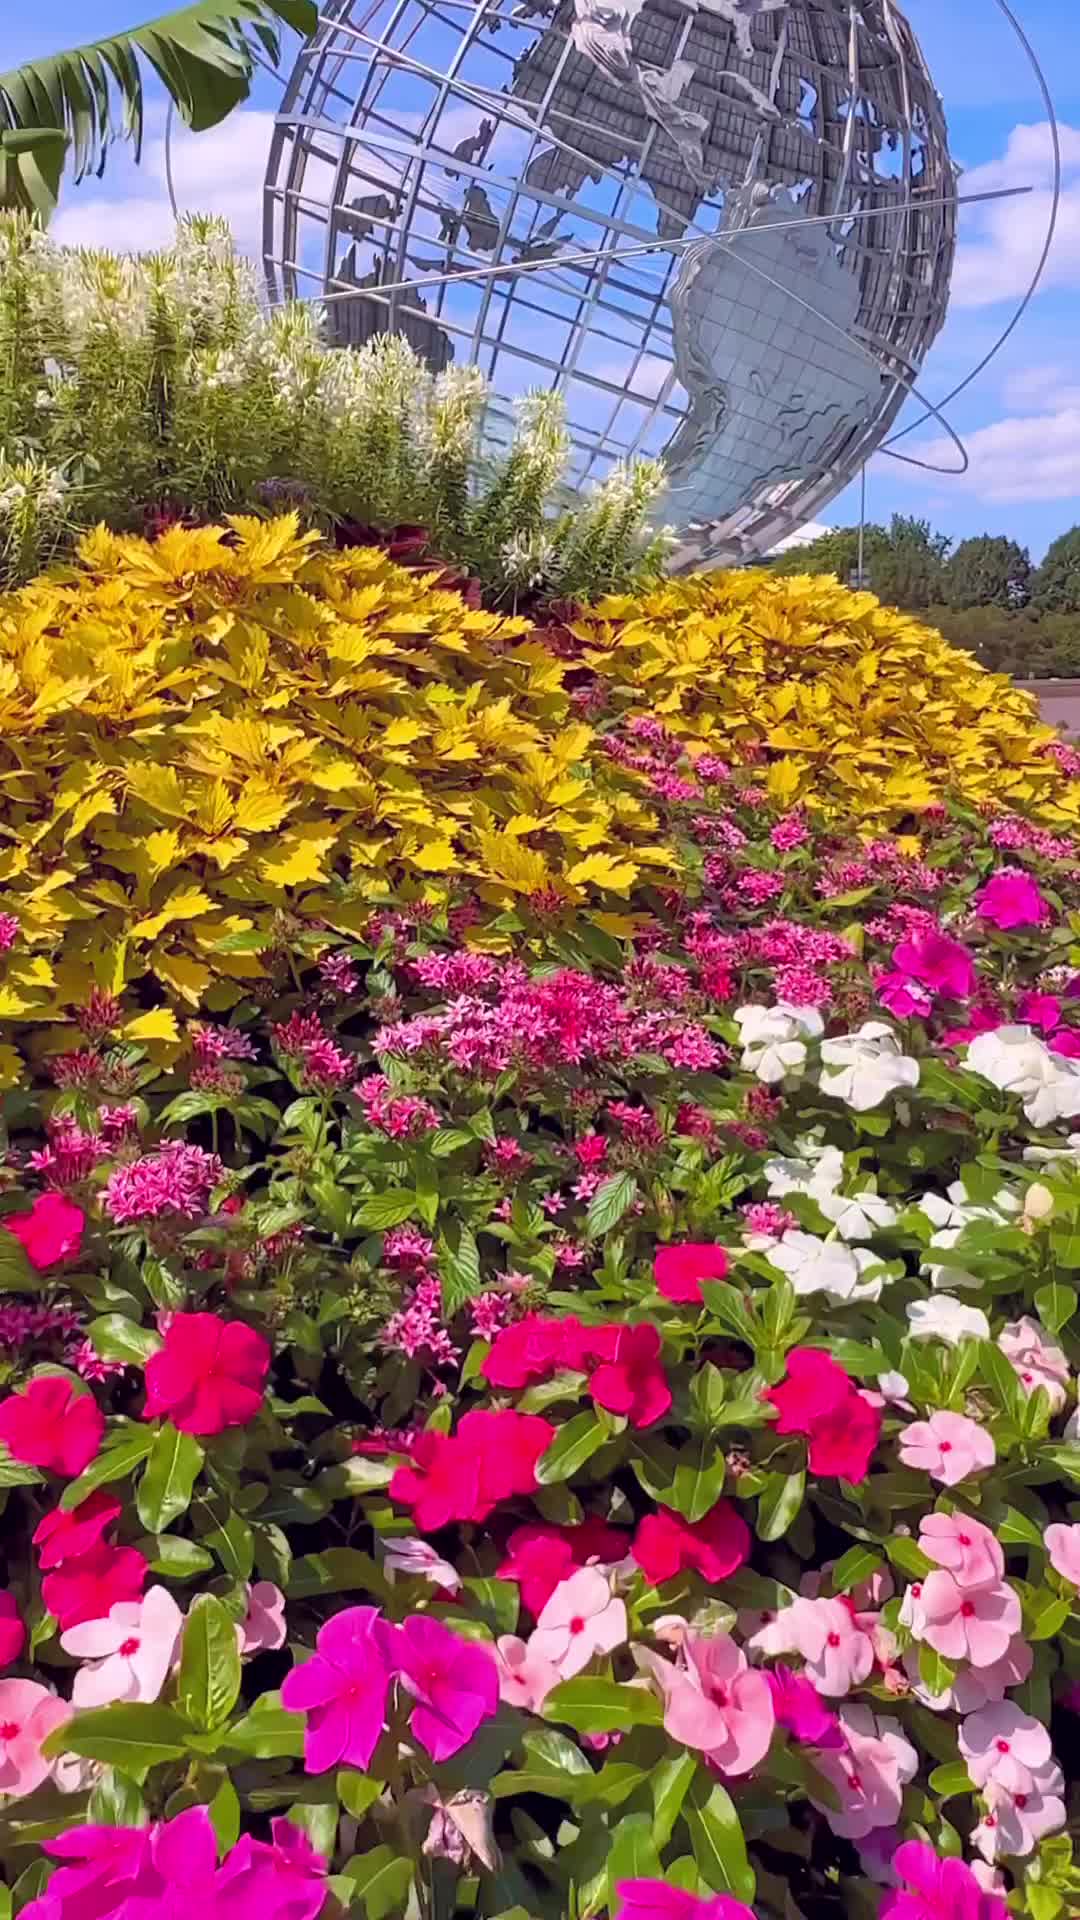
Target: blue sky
(1021,420)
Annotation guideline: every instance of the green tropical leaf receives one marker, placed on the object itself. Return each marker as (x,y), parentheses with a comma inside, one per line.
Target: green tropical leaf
(610,1201)
(115,1337)
(75,104)
(268,1732)
(123,1449)
(381,1879)
(171,1472)
(573,1444)
(132,1736)
(592,1705)
(717,1839)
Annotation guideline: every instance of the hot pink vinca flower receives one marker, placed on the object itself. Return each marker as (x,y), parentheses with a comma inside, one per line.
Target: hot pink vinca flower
(209,1374)
(343,1691)
(454,1682)
(656,1900)
(1011,898)
(12,1631)
(947,1446)
(51,1231)
(539,1556)
(87,1587)
(941,964)
(280,1879)
(819,1400)
(582,1617)
(937,1889)
(464,1475)
(1063,1546)
(974,1624)
(28,1713)
(679,1271)
(714,1702)
(69,1533)
(715,1546)
(800,1709)
(52,1426)
(629,1379)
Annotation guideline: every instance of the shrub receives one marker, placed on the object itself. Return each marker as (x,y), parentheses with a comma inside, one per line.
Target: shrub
(160,386)
(236,734)
(626,1405)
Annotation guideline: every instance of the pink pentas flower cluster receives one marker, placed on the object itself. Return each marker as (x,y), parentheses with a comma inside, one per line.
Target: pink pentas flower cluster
(172,1183)
(417,1328)
(320,1064)
(344,1689)
(402,1116)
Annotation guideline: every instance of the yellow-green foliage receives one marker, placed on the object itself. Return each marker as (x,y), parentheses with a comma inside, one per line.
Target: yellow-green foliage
(200,736)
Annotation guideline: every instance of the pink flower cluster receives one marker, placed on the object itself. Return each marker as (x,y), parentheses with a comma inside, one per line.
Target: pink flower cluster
(622,1362)
(83,1575)
(171,1868)
(399,1115)
(344,1689)
(819,1400)
(417,1328)
(321,1066)
(965,1609)
(173,1182)
(714,1701)
(1008,1756)
(581,1617)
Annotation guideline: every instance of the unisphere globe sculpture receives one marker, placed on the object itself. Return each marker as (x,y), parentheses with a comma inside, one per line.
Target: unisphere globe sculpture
(723,230)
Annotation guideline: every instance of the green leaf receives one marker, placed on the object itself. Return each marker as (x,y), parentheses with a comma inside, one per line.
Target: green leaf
(357,1792)
(1016,1530)
(269,1731)
(935,1673)
(611,1200)
(632,1854)
(174,1557)
(573,1445)
(209,1681)
(1001,1375)
(778,1503)
(698,1480)
(171,1472)
(459,1271)
(132,1736)
(382,1880)
(1056,1304)
(385,1210)
(14,1473)
(717,1839)
(204,54)
(115,1337)
(496,1601)
(224,1810)
(857,1564)
(116,1802)
(16,1273)
(669,1784)
(335,1570)
(123,1449)
(592,1705)
(232,1540)
(948,1780)
(907,1557)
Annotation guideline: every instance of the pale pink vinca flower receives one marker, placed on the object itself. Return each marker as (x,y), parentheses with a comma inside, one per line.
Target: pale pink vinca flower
(263,1626)
(947,1446)
(1063,1546)
(869,1773)
(1035,1359)
(1014,1825)
(28,1713)
(714,1702)
(1009,1747)
(581,1617)
(967,1548)
(976,1625)
(525,1677)
(128,1655)
(838,1653)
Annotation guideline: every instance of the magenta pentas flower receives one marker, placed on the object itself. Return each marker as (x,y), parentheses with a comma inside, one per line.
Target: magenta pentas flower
(937,1889)
(175,1180)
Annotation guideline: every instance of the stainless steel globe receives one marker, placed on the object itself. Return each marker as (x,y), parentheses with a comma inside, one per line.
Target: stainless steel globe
(722,229)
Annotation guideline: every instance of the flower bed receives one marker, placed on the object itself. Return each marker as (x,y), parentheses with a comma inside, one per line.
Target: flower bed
(540,1227)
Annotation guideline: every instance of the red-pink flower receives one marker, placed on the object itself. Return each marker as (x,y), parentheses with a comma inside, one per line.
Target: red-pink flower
(679,1271)
(1011,898)
(209,1374)
(819,1400)
(800,1709)
(942,1889)
(454,1682)
(86,1588)
(533,1349)
(715,1546)
(343,1691)
(12,1631)
(52,1426)
(51,1231)
(69,1533)
(937,962)
(464,1475)
(656,1900)
(630,1379)
(541,1556)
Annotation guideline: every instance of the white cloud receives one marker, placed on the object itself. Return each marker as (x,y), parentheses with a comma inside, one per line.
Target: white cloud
(219,171)
(1001,240)
(1034,455)
(802,537)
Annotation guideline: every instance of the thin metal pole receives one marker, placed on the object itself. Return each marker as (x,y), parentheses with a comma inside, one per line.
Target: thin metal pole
(862,526)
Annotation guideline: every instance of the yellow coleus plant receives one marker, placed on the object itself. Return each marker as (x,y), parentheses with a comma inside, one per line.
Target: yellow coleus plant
(237,731)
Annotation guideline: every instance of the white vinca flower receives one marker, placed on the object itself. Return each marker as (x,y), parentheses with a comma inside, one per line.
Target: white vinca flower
(863,1068)
(774,1039)
(857,1216)
(818,1174)
(947,1320)
(827,1266)
(951,1216)
(1016,1060)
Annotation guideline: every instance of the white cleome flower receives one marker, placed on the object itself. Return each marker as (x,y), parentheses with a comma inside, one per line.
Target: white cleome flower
(857,1216)
(1016,1060)
(820,1173)
(826,1266)
(774,1039)
(947,1320)
(863,1068)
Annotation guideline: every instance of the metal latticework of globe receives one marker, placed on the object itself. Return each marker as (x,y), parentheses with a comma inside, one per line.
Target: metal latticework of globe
(723,230)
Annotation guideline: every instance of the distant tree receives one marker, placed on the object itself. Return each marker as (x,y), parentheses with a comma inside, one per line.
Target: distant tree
(987,571)
(1055,587)
(834,552)
(906,570)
